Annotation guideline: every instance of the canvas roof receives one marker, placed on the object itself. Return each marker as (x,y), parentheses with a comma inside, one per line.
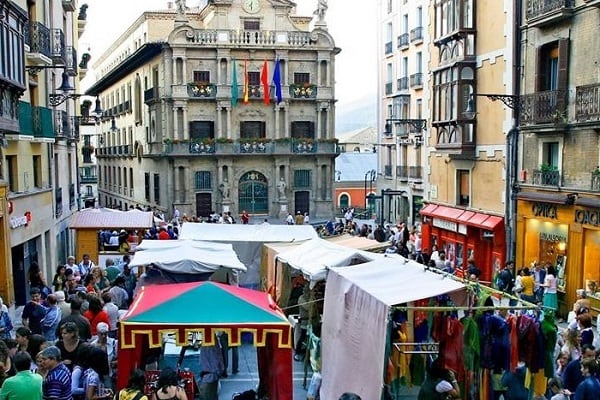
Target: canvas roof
(106,218)
(246,233)
(186,256)
(172,303)
(314,257)
(396,280)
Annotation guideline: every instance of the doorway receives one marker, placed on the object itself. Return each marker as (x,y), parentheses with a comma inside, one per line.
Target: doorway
(253,195)
(302,201)
(203,204)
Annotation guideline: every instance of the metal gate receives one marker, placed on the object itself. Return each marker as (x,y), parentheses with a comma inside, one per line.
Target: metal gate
(253,193)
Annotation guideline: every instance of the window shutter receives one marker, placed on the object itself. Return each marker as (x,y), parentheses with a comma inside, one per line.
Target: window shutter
(563,64)
(540,69)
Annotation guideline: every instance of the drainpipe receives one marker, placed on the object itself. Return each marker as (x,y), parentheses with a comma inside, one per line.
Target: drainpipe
(512,140)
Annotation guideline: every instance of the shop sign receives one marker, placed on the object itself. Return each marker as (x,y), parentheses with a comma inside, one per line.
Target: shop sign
(462,229)
(587,217)
(17,222)
(444,224)
(552,237)
(545,210)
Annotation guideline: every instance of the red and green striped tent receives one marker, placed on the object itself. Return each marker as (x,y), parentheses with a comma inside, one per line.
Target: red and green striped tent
(208,307)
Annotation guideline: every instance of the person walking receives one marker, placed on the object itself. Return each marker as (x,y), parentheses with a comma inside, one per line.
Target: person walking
(549,299)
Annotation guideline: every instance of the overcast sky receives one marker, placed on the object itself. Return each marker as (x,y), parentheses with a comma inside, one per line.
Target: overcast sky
(352,23)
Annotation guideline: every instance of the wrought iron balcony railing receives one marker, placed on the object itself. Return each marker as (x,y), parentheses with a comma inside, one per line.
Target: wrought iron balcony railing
(416,80)
(57,46)
(541,8)
(402,83)
(587,103)
(202,89)
(546,178)
(303,90)
(402,172)
(547,107)
(403,41)
(416,34)
(37,37)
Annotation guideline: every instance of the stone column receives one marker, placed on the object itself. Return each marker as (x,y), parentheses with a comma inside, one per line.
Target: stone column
(175,123)
(186,131)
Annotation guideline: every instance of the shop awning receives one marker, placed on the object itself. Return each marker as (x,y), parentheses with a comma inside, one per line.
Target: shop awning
(466,217)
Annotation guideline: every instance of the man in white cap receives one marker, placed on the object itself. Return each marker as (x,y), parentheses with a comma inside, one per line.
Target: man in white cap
(65,308)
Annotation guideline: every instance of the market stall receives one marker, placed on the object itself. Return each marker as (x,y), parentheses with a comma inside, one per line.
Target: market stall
(247,241)
(88,222)
(174,261)
(161,309)
(358,302)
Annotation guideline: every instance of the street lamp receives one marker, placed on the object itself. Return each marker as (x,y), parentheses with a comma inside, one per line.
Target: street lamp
(512,188)
(371,175)
(55,99)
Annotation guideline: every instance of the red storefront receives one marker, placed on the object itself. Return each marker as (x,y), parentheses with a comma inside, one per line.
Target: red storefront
(464,234)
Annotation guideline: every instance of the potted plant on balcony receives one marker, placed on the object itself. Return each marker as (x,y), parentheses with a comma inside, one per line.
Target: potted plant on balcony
(224,140)
(548,168)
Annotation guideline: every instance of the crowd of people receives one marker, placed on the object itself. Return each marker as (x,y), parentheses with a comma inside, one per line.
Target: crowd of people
(66,346)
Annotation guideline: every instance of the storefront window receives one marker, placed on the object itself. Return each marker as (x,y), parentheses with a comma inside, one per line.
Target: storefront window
(546,243)
(591,262)
(459,255)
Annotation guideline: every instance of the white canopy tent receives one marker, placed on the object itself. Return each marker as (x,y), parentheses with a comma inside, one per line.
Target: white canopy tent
(314,257)
(187,256)
(247,241)
(247,233)
(358,300)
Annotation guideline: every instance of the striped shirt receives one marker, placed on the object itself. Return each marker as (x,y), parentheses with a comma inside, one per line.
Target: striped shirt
(57,385)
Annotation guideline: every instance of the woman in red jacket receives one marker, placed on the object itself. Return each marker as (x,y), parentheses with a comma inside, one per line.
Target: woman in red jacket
(95,313)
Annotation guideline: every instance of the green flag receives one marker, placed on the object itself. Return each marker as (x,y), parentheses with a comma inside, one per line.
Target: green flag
(234,86)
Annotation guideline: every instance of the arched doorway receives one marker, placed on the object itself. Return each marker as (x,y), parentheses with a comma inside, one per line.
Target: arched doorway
(344,201)
(253,194)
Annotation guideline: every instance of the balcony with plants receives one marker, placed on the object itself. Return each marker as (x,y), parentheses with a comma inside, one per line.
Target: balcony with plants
(540,13)
(202,90)
(245,146)
(303,90)
(546,175)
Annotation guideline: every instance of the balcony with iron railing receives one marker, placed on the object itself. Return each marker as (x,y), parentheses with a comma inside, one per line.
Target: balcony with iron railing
(587,103)
(297,91)
(57,46)
(36,121)
(416,80)
(65,126)
(541,13)
(58,201)
(595,184)
(151,96)
(416,35)
(72,195)
(202,90)
(547,107)
(403,41)
(402,172)
(387,171)
(402,83)
(388,48)
(388,88)
(37,37)
(545,177)
(415,172)
(249,146)
(88,178)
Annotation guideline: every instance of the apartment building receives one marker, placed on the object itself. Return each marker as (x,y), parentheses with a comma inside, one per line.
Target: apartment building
(471,59)
(404,57)
(230,107)
(38,132)
(559,180)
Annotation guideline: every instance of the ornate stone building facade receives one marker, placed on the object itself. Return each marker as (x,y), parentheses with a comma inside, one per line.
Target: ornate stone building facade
(229,107)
